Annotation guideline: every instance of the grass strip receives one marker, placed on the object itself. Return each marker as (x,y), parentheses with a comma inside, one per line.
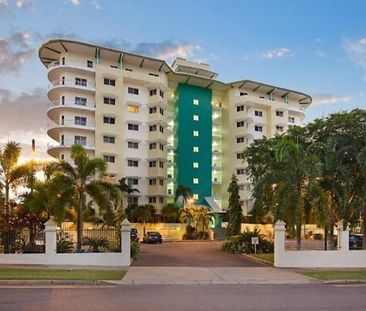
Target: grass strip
(265,257)
(337,274)
(44,274)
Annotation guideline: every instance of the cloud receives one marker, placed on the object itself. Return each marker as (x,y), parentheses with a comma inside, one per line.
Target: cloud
(96,5)
(14,51)
(167,49)
(278,53)
(23,3)
(3,3)
(356,51)
(75,2)
(323,99)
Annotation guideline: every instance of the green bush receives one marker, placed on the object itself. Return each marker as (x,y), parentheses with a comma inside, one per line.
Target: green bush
(243,243)
(64,246)
(190,233)
(135,250)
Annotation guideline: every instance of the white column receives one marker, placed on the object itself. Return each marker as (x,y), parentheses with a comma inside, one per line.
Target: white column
(51,237)
(343,237)
(279,241)
(126,239)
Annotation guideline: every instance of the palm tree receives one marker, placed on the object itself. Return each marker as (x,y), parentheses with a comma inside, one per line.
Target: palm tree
(170,213)
(186,215)
(183,191)
(144,214)
(82,177)
(125,188)
(9,174)
(202,218)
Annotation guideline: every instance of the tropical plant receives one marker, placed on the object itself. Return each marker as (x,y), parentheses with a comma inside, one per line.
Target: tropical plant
(184,192)
(135,250)
(170,213)
(234,211)
(96,243)
(125,188)
(64,246)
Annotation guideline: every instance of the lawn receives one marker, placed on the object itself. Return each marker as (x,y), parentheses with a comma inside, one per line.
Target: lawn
(43,274)
(266,257)
(337,274)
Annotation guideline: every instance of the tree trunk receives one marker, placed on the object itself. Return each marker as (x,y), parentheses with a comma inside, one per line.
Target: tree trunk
(326,237)
(79,224)
(364,227)
(331,232)
(6,201)
(298,236)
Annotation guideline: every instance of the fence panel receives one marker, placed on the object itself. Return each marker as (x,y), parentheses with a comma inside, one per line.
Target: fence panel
(21,241)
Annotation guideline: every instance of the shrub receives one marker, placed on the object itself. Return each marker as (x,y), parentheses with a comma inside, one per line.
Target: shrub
(135,250)
(64,246)
(202,235)
(96,243)
(243,243)
(190,233)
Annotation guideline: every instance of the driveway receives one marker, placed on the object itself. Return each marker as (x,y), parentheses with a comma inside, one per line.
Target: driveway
(190,254)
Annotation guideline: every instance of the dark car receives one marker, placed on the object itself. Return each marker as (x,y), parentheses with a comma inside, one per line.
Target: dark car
(134,235)
(355,241)
(152,237)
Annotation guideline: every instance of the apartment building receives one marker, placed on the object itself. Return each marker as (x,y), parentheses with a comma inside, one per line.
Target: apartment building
(160,125)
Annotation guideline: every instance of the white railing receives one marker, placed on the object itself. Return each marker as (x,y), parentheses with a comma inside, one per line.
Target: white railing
(72,83)
(72,123)
(68,144)
(70,103)
(69,63)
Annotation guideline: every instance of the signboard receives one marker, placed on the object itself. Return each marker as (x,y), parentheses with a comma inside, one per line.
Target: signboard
(255,240)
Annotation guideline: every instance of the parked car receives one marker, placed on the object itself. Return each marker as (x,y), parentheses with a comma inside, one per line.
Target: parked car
(152,237)
(355,241)
(134,235)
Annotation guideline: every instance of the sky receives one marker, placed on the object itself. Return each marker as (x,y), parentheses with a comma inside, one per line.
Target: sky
(316,47)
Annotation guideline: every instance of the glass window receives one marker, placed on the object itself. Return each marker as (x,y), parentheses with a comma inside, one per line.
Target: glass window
(258,128)
(109,139)
(133,109)
(133,145)
(89,64)
(240,108)
(80,121)
(109,159)
(195,196)
(258,113)
(133,127)
(195,165)
(109,101)
(195,181)
(81,101)
(110,82)
(195,133)
(240,139)
(195,149)
(240,124)
(132,163)
(81,140)
(196,102)
(109,120)
(196,117)
(134,91)
(279,113)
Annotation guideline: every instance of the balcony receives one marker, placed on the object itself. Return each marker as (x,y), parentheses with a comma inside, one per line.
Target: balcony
(296,110)
(69,84)
(55,149)
(55,68)
(55,106)
(55,127)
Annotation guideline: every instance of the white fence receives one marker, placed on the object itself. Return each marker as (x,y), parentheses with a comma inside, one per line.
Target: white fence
(51,257)
(343,257)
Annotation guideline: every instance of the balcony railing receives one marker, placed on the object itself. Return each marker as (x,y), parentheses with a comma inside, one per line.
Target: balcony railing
(72,104)
(88,85)
(69,63)
(72,123)
(68,144)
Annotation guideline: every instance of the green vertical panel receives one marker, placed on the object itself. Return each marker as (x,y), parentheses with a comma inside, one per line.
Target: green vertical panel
(186,125)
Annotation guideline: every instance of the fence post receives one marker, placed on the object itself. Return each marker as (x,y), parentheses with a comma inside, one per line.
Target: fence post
(343,237)
(279,242)
(51,236)
(126,238)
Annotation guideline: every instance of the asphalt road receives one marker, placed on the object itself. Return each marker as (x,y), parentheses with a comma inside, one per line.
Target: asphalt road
(191,254)
(187,297)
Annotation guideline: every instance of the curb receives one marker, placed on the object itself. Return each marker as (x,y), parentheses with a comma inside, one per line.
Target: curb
(339,282)
(268,263)
(53,282)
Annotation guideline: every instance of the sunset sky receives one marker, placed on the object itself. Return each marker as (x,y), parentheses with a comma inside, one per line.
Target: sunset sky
(317,47)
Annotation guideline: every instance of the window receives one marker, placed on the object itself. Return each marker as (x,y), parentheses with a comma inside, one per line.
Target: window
(240,155)
(132,90)
(258,128)
(279,113)
(152,200)
(81,140)
(196,102)
(195,165)
(152,163)
(133,127)
(258,113)
(196,117)
(80,81)
(161,200)
(152,110)
(132,163)
(161,93)
(240,124)
(109,139)
(152,146)
(133,145)
(291,120)
(240,108)
(109,120)
(89,63)
(195,196)
(110,82)
(132,200)
(161,182)
(63,61)
(62,157)
(81,101)
(240,171)
(195,181)
(132,181)
(153,92)
(63,100)
(161,111)
(133,109)
(153,74)
(161,164)
(243,94)
(80,121)
(109,101)
(279,128)
(195,133)
(152,182)
(161,129)
(161,147)
(109,159)
(128,69)
(240,139)
(152,128)
(195,149)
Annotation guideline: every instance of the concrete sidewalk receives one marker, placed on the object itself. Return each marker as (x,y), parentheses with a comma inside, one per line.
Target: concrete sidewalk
(212,276)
